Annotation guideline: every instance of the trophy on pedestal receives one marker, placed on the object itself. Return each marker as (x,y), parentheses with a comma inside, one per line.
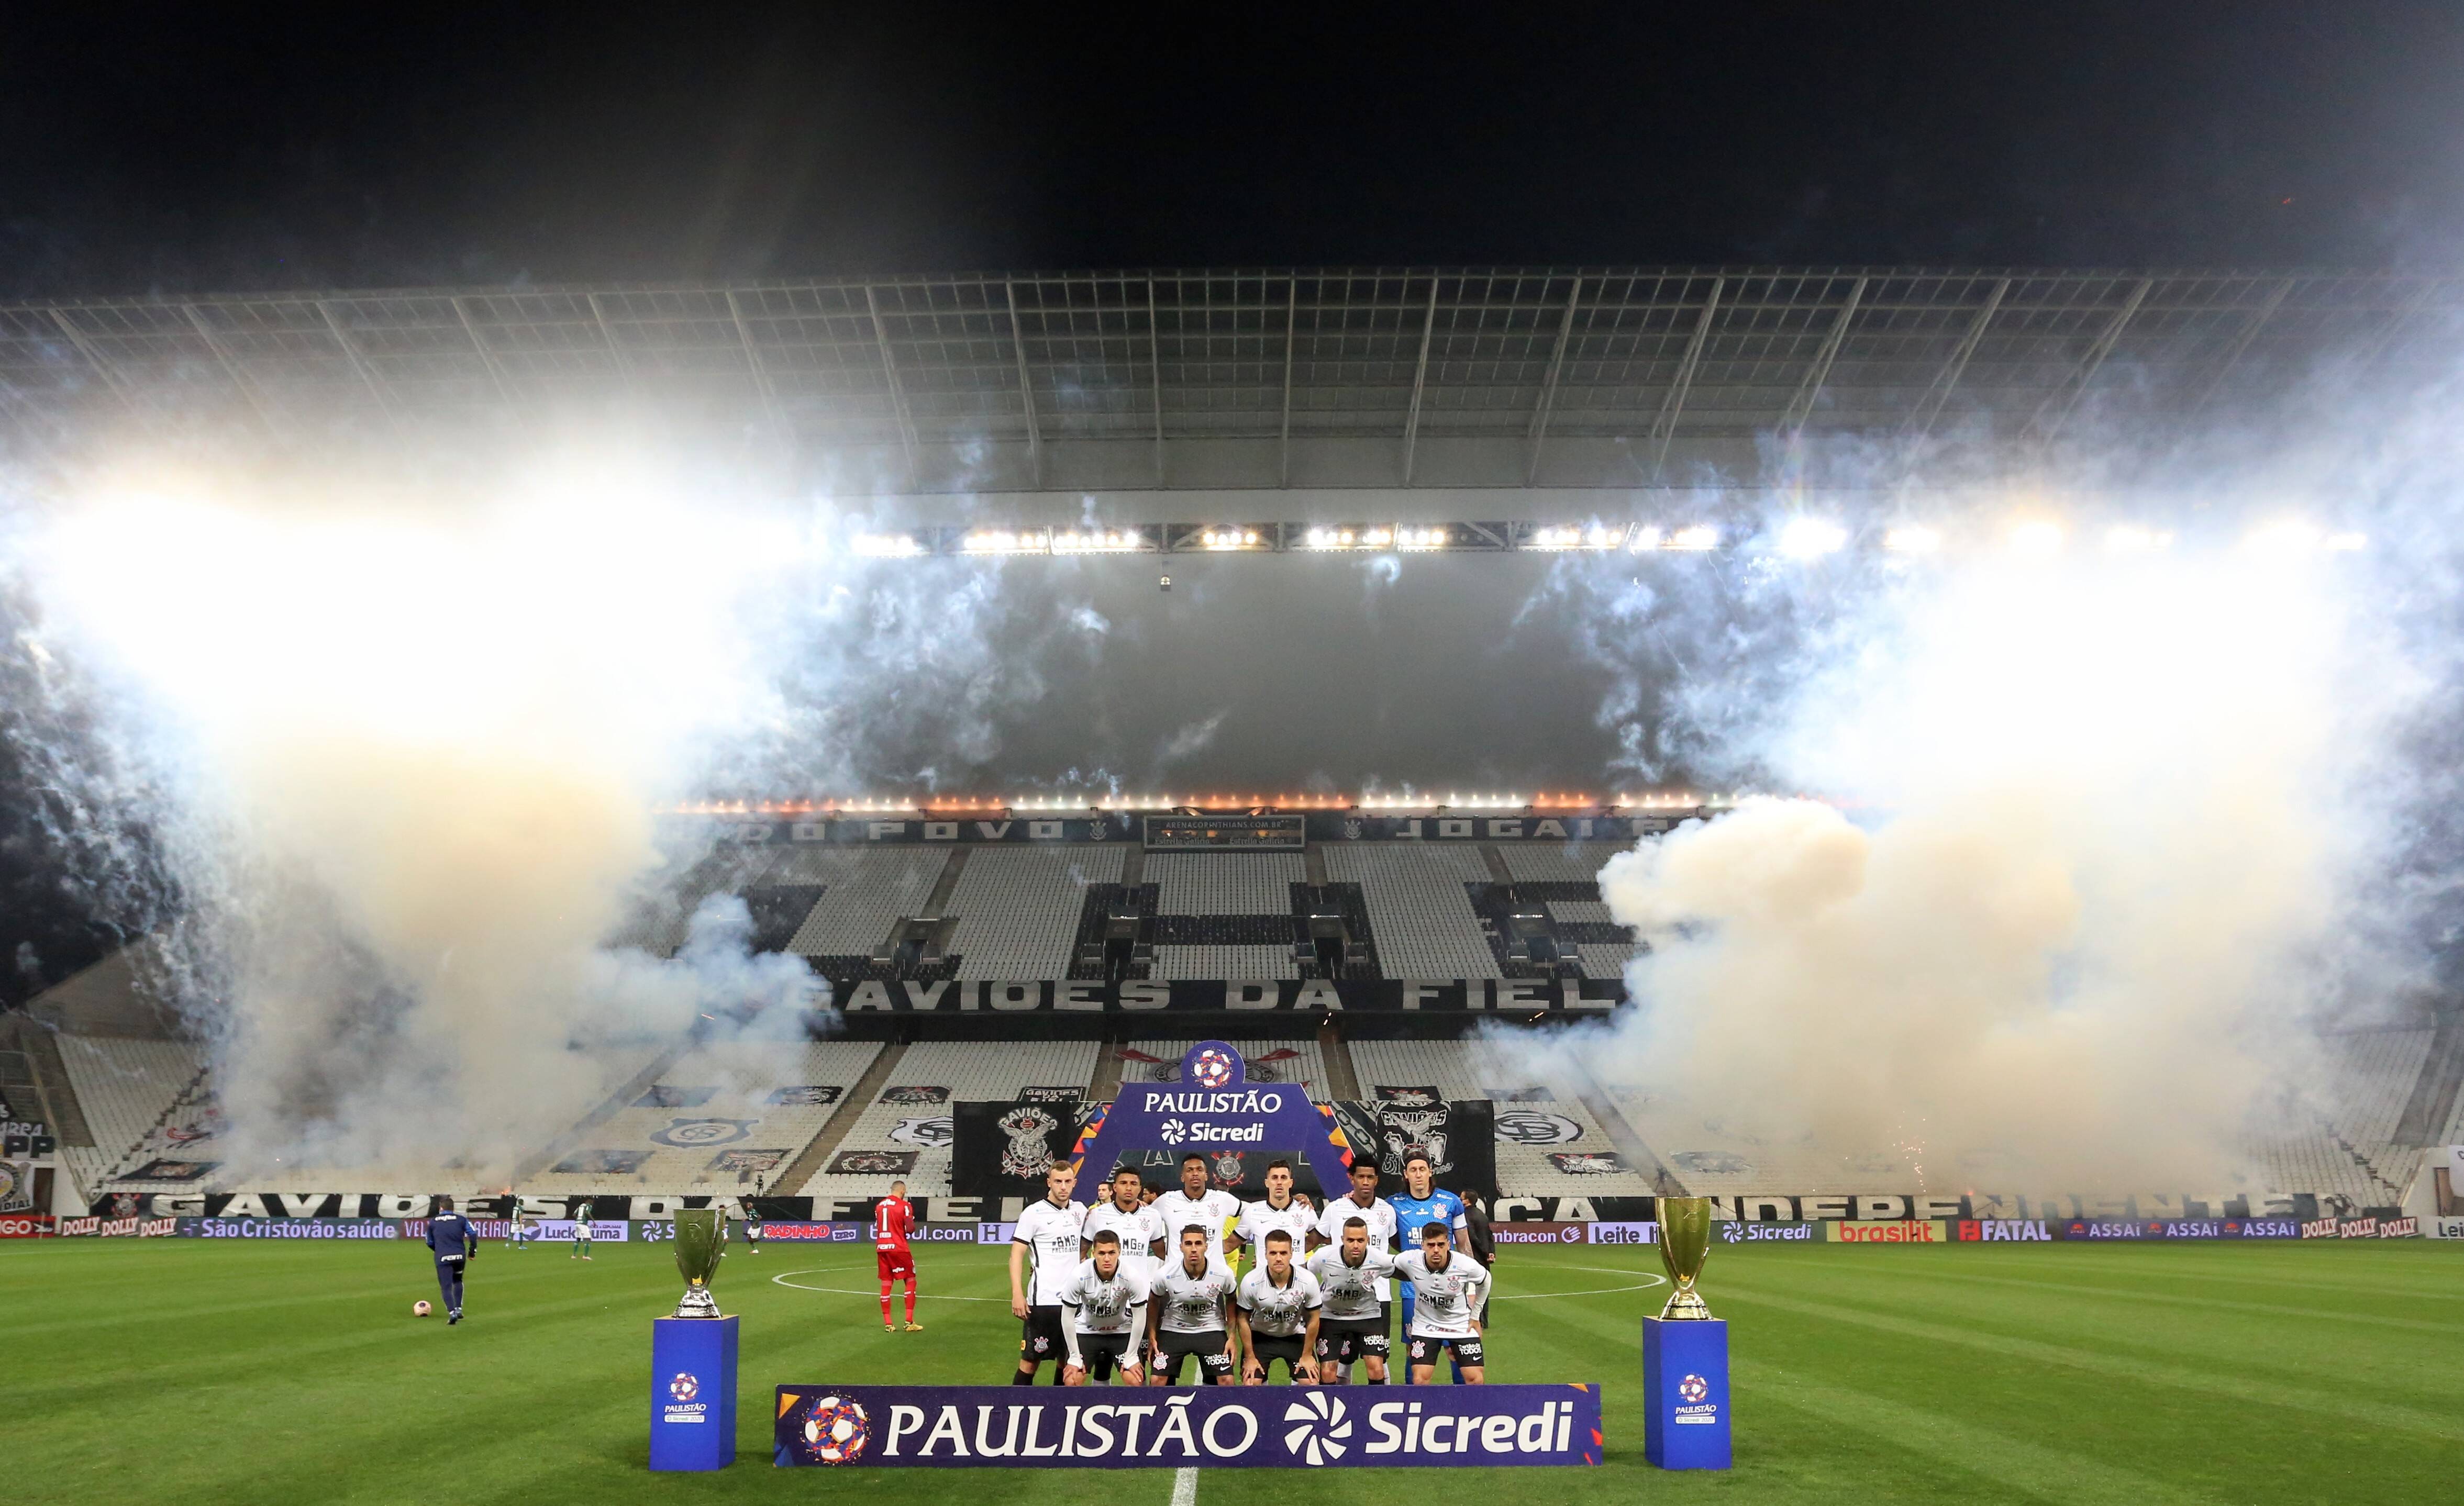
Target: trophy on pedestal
(1684,1242)
(698,1249)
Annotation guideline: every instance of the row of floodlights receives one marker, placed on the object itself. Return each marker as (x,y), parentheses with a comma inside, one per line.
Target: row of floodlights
(1421,801)
(1800,539)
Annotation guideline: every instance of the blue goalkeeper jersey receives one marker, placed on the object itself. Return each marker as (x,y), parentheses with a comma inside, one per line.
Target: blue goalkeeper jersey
(1412,1215)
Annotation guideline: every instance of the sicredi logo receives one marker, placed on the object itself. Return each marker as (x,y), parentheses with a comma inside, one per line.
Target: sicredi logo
(1737,1233)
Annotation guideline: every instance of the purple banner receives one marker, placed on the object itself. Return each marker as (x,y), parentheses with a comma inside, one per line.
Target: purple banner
(1229,1426)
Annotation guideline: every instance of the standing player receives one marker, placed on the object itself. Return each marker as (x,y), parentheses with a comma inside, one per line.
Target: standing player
(1352,1278)
(581,1230)
(454,1242)
(1046,1232)
(1280,1210)
(1453,1289)
(1194,1202)
(1276,1309)
(1187,1313)
(893,1217)
(753,1242)
(518,1229)
(1103,1314)
(1423,1203)
(1129,1219)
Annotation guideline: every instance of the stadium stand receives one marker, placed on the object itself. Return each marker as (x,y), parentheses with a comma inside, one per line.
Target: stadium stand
(1537,1119)
(867,890)
(1576,862)
(2363,1080)
(1422,917)
(1225,962)
(127,1090)
(720,1118)
(905,1130)
(1017,908)
(1226,882)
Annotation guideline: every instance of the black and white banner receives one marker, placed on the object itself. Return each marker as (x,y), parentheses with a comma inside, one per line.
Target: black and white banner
(860,996)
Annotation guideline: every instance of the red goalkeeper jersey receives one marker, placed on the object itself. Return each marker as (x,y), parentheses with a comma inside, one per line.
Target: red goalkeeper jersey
(892,1219)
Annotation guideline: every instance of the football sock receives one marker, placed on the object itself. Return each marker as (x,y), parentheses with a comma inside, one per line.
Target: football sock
(911,1302)
(885,1301)
(1022,1378)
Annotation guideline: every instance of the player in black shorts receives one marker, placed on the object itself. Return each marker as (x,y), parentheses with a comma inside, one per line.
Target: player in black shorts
(1186,1312)
(1353,1324)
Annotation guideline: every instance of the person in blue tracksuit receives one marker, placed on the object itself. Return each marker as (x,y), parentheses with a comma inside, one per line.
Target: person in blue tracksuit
(1422,1203)
(454,1242)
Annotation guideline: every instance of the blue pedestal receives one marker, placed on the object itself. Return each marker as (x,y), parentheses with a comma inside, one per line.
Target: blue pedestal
(692,1393)
(1685,1394)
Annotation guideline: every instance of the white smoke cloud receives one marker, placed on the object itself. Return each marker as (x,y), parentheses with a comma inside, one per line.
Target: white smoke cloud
(396,753)
(2110,836)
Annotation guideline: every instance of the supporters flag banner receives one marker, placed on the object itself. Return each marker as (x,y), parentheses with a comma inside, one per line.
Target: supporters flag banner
(970,1426)
(858,997)
(1001,1150)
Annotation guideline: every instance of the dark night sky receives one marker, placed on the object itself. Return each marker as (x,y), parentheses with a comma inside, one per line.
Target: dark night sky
(187,152)
(309,147)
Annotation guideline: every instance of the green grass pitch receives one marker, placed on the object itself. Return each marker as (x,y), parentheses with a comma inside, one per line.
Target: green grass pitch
(202,1373)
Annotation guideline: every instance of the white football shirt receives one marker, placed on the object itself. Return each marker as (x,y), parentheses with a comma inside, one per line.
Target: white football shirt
(1443,1301)
(1117,1306)
(1050,1235)
(1279,1312)
(1135,1227)
(1355,1293)
(1175,1211)
(1258,1220)
(1193,1305)
(1379,1215)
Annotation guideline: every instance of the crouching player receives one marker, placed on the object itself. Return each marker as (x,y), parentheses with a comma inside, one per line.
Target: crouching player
(1276,1314)
(1103,1314)
(1186,1313)
(1351,1276)
(1451,1289)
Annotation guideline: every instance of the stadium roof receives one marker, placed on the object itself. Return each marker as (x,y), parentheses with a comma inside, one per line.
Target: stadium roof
(1258,378)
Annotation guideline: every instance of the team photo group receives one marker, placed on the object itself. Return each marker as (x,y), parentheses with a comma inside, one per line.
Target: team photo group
(1135,1284)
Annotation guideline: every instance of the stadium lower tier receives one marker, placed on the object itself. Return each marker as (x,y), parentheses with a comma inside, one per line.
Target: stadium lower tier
(836,1120)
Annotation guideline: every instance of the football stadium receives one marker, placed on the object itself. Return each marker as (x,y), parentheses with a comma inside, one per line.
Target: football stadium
(1568,879)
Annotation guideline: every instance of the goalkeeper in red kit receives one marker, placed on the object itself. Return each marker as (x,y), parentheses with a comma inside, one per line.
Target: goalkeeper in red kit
(892,1219)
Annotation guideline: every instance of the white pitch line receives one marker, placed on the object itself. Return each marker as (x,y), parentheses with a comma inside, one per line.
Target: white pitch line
(780,1280)
(1184,1488)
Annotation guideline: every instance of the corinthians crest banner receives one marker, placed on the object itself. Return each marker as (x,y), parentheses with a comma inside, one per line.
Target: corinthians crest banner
(1299,1427)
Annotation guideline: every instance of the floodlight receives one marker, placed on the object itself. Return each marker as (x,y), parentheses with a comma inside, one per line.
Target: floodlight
(2128,539)
(2291,536)
(1913,540)
(1696,539)
(2346,544)
(1805,537)
(2036,537)
(887,545)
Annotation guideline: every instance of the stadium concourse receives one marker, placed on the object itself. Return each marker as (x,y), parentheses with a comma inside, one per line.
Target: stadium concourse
(923,927)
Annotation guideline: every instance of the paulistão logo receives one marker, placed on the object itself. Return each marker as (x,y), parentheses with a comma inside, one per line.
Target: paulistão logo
(1320,1427)
(1693,1388)
(684,1387)
(837,1429)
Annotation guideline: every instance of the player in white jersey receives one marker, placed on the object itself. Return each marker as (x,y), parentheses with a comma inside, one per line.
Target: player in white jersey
(1186,1311)
(1278,1209)
(1047,1235)
(1276,1314)
(1126,1216)
(1350,1275)
(1194,1202)
(1451,1288)
(1105,1314)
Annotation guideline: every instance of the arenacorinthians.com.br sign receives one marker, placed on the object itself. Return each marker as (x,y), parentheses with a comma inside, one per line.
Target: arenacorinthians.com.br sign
(970,1426)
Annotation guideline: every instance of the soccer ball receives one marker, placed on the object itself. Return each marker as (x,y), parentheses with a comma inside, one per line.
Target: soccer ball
(1212,1068)
(420,1309)
(837,1429)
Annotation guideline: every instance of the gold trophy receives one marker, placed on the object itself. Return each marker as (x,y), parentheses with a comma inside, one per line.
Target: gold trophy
(1685,1240)
(699,1234)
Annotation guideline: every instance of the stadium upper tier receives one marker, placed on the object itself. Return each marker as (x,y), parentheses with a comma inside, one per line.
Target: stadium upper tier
(1324,378)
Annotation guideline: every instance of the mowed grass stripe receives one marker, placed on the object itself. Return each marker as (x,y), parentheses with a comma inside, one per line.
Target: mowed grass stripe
(2138,1370)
